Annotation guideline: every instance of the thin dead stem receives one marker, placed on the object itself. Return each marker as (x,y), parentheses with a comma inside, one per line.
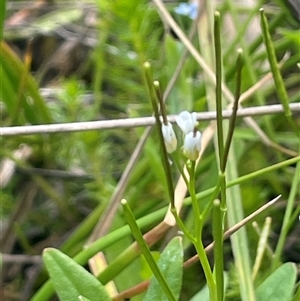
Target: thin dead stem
(134,122)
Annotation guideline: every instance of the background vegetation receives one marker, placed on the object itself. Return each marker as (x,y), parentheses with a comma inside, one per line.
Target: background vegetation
(69,61)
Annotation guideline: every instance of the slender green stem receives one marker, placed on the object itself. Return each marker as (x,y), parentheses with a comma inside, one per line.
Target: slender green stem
(220,211)
(175,157)
(255,44)
(182,226)
(118,264)
(145,250)
(154,92)
(262,171)
(279,84)
(239,66)
(198,234)
(218,248)
(218,59)
(213,196)
(294,216)
(198,219)
(207,270)
(219,208)
(165,158)
(252,76)
(159,97)
(82,231)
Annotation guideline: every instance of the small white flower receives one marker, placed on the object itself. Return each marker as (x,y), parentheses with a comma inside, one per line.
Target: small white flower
(169,137)
(192,145)
(187,121)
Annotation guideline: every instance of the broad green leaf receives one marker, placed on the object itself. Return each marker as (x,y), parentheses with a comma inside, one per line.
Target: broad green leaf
(279,285)
(202,295)
(71,280)
(170,264)
(81,298)
(146,272)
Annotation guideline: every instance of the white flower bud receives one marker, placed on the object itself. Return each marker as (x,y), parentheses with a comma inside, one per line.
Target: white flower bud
(187,121)
(192,145)
(169,137)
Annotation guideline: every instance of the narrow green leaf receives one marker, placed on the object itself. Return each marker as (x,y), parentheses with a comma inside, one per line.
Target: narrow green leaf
(2,17)
(287,217)
(279,285)
(7,91)
(278,80)
(202,295)
(136,232)
(292,36)
(71,280)
(239,241)
(13,69)
(170,264)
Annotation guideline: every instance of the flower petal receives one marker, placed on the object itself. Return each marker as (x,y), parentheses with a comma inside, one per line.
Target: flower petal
(187,121)
(192,145)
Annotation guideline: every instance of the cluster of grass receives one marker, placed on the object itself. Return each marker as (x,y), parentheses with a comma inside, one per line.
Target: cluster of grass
(60,185)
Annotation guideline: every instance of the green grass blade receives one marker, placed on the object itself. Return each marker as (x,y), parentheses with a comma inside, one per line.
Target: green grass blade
(287,216)
(279,84)
(239,240)
(2,17)
(13,69)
